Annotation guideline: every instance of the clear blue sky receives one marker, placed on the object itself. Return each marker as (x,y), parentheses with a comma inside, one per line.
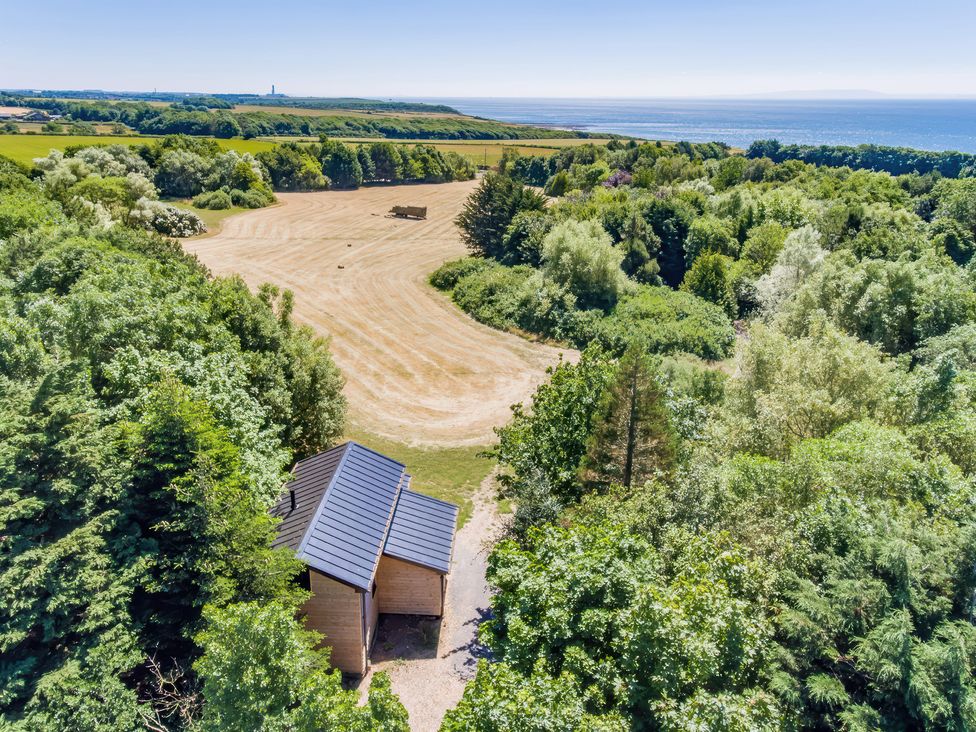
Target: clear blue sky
(498,48)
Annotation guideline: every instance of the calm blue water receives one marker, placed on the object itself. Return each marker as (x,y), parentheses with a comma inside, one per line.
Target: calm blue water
(924,124)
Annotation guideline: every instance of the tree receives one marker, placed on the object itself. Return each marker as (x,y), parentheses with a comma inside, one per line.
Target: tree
(710,279)
(180,173)
(895,305)
(957,202)
(226,126)
(954,239)
(523,239)
(388,163)
(365,162)
(789,389)
(632,439)
(640,246)
(580,256)
(261,671)
(341,165)
(549,438)
(800,257)
(763,244)
(499,699)
(292,168)
(144,435)
(489,211)
(709,234)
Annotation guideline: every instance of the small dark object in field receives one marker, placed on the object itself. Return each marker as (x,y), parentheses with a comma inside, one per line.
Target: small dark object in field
(342,266)
(409,212)
(348,245)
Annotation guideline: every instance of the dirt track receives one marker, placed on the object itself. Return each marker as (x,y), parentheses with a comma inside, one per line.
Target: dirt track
(417,369)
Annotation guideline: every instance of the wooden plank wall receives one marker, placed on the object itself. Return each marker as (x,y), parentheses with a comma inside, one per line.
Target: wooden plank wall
(407,589)
(336,611)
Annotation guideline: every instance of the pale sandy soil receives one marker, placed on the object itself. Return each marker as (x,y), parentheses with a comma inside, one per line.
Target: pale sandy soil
(417,369)
(429,663)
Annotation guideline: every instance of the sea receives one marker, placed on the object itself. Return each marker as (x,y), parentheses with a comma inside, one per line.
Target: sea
(927,124)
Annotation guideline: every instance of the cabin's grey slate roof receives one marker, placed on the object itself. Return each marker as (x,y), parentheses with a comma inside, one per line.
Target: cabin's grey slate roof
(347,515)
(422,531)
(310,479)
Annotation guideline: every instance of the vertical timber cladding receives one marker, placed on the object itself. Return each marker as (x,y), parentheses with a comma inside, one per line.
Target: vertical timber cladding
(408,589)
(336,611)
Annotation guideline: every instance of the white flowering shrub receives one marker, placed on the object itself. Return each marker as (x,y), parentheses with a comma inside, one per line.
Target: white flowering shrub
(139,186)
(698,185)
(166,219)
(94,213)
(114,160)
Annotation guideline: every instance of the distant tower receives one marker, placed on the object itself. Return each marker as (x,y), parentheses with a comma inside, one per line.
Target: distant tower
(272,90)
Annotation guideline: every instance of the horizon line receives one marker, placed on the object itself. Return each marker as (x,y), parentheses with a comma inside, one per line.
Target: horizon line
(865,95)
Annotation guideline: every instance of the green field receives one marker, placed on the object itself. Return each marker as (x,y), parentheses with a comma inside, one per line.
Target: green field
(24,148)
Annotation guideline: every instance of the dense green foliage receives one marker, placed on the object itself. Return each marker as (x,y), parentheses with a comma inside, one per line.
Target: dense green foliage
(879,254)
(147,415)
(894,160)
(808,565)
(489,212)
(204,120)
(260,671)
(632,439)
(795,549)
(120,184)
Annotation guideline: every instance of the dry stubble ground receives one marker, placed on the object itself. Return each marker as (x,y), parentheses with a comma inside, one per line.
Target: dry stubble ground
(417,369)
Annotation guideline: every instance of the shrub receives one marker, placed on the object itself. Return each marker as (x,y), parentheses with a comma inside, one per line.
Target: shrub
(166,219)
(493,295)
(213,200)
(252,198)
(667,321)
(580,256)
(448,274)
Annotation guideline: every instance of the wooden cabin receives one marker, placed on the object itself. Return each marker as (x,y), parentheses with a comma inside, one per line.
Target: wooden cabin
(371,545)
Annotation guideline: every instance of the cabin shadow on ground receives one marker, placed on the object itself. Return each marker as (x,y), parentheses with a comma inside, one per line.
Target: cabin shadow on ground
(405,637)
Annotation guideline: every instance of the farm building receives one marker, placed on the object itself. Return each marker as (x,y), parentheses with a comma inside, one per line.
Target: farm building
(371,545)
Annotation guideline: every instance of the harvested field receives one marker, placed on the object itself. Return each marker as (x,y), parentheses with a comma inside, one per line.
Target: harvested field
(417,369)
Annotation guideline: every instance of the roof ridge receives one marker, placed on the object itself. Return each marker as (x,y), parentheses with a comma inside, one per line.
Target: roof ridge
(323,499)
(378,454)
(432,498)
(320,454)
(389,523)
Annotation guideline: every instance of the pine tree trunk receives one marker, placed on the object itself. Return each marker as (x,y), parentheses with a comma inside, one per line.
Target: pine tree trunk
(631,432)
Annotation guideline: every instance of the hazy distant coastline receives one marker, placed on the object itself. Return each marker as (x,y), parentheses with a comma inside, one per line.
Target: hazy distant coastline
(928,124)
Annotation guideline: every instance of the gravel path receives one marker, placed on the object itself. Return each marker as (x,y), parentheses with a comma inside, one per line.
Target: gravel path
(428,669)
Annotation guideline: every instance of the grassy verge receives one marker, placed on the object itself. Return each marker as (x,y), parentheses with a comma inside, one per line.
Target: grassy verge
(449,473)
